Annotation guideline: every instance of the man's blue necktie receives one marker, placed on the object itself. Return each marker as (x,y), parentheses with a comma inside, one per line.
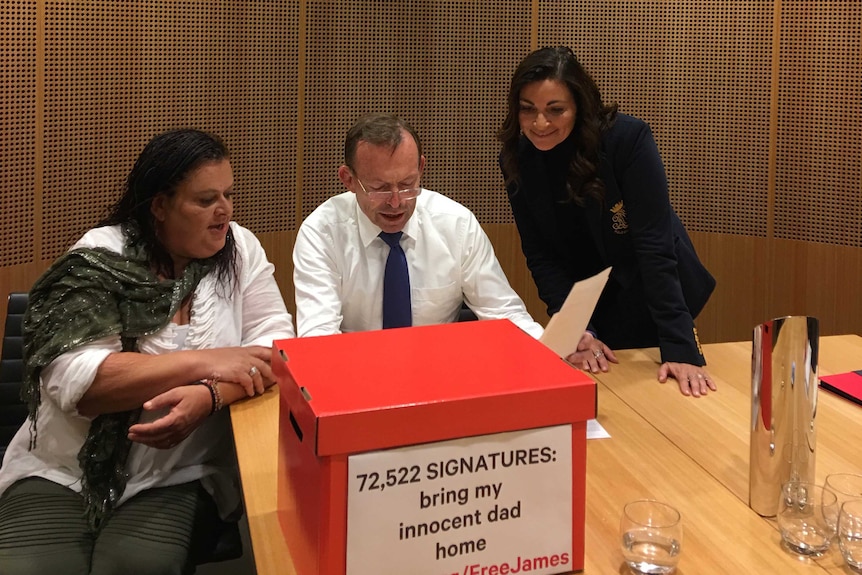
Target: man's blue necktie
(396,285)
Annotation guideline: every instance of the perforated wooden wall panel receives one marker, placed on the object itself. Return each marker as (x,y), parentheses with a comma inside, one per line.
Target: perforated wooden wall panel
(755,105)
(699,72)
(444,66)
(818,188)
(17,131)
(117,73)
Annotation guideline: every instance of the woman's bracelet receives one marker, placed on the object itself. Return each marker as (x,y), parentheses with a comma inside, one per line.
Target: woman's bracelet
(212,385)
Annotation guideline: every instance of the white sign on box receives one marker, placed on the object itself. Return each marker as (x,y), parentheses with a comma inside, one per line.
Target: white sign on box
(499,503)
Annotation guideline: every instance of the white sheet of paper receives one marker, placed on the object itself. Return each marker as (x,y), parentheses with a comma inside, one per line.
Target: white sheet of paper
(595,430)
(566,327)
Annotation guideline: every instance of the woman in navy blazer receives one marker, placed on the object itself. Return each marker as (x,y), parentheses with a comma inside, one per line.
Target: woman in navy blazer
(588,190)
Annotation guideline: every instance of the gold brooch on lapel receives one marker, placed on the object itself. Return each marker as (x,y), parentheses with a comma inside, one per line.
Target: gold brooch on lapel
(620,225)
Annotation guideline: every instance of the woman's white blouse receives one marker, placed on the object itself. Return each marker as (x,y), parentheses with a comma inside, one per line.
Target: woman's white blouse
(254,314)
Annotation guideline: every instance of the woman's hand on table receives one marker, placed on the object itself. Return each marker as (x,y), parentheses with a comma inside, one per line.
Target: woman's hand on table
(245,366)
(692,379)
(592,355)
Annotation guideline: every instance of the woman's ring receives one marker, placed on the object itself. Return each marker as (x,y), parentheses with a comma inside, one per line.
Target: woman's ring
(700,376)
(252,372)
(598,353)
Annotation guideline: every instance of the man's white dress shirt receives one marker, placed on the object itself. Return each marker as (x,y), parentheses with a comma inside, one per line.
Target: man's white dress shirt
(339,263)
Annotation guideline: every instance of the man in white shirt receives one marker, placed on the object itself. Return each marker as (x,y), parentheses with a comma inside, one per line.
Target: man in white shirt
(340,257)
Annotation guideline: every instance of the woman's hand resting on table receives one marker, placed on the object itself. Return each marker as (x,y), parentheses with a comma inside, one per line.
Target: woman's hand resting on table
(592,354)
(692,379)
(246,366)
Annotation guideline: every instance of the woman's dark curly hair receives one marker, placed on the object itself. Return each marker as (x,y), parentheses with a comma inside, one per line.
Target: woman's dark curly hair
(591,118)
(165,162)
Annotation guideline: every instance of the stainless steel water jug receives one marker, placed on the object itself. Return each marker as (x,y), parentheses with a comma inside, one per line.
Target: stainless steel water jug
(783,408)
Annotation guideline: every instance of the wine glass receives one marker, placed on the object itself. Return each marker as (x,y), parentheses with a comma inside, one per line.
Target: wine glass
(850,532)
(845,486)
(651,534)
(807,517)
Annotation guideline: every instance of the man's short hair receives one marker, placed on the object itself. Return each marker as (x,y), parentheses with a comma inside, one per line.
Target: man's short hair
(378,129)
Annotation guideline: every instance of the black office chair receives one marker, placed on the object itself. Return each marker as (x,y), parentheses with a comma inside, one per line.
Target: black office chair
(226,542)
(13,412)
(466,314)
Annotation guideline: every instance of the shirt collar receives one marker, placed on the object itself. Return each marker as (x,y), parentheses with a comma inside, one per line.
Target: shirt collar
(368,231)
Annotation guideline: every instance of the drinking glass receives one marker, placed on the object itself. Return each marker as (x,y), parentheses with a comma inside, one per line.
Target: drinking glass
(845,486)
(850,532)
(807,517)
(651,534)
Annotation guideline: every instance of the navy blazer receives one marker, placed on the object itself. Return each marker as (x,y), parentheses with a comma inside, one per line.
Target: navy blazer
(658,284)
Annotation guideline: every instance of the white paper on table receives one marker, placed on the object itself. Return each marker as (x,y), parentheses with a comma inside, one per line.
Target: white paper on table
(566,327)
(595,430)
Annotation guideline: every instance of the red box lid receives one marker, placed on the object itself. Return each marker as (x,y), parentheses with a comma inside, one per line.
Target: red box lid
(388,388)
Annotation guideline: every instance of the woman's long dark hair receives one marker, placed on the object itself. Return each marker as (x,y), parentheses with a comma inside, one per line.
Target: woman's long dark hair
(165,162)
(592,117)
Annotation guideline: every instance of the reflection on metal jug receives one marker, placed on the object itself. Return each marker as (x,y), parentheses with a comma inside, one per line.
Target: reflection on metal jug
(783,406)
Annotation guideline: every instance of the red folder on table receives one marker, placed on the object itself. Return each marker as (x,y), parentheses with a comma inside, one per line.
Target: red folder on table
(847,385)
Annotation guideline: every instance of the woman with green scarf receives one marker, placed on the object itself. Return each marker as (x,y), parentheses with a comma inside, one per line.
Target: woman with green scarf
(134,340)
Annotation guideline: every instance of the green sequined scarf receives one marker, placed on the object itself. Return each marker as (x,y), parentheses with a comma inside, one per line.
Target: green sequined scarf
(88,294)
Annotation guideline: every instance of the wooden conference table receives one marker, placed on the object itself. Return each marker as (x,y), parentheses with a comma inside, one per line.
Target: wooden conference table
(690,452)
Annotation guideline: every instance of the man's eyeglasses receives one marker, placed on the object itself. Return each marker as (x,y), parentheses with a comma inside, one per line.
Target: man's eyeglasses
(408,194)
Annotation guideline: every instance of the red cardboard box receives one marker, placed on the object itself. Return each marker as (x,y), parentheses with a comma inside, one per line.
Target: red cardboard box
(362,392)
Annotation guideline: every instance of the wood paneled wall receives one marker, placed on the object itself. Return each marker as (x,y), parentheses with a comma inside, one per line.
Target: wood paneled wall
(756,106)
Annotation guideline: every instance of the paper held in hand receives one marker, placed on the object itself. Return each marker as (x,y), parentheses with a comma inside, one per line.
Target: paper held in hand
(566,327)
